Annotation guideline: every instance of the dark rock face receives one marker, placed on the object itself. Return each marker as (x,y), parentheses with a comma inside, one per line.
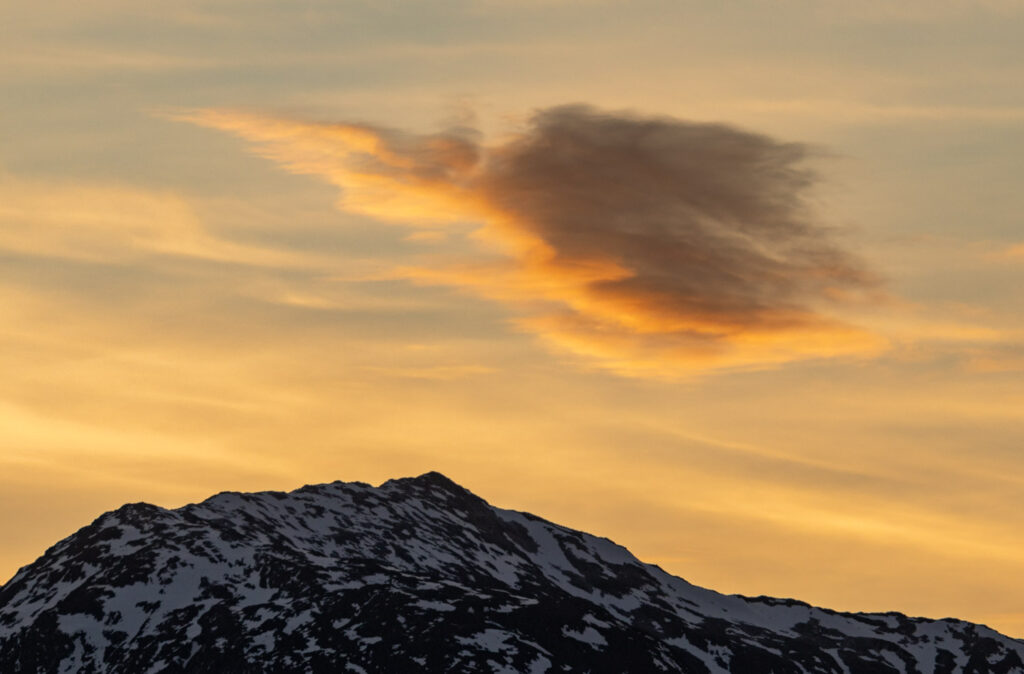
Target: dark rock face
(420,575)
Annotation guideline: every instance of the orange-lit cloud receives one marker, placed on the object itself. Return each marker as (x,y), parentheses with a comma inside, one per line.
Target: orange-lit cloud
(653,246)
(1014,251)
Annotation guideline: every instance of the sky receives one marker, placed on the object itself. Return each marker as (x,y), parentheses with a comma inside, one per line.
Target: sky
(736,285)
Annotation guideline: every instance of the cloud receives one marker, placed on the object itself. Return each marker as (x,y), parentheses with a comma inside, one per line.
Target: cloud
(996,358)
(116,224)
(1014,251)
(651,246)
(857,111)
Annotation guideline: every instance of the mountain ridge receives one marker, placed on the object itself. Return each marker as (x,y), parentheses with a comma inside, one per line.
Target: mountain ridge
(420,574)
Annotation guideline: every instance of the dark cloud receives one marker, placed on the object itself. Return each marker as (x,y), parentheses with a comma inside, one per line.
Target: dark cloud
(651,244)
(707,222)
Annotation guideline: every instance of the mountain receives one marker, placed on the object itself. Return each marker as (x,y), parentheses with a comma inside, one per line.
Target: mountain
(420,575)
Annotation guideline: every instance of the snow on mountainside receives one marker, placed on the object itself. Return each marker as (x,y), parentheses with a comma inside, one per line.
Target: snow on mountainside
(419,575)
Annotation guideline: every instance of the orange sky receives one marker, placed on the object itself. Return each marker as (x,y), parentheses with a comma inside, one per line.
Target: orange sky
(750,306)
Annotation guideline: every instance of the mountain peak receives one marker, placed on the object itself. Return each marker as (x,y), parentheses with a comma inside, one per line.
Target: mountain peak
(429,481)
(434,478)
(419,575)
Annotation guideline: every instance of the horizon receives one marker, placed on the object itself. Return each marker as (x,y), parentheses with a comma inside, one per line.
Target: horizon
(737,287)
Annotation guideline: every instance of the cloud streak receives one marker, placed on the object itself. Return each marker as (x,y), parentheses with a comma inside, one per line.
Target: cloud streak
(117,224)
(651,246)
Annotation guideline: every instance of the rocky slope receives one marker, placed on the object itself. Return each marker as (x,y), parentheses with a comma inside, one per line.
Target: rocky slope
(419,575)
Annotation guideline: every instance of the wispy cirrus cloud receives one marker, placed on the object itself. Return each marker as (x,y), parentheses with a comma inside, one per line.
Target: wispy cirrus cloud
(116,223)
(1013,252)
(651,245)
